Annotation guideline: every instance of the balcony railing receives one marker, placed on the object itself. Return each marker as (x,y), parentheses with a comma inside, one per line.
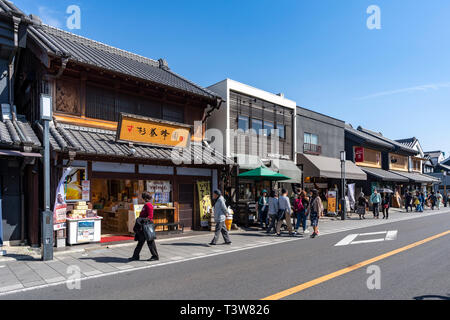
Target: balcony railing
(312,149)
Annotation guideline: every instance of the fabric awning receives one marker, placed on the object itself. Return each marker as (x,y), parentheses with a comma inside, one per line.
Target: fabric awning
(416,177)
(324,167)
(384,175)
(288,169)
(263,174)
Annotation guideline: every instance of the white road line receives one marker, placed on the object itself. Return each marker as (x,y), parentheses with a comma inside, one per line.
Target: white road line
(368,241)
(391,235)
(347,240)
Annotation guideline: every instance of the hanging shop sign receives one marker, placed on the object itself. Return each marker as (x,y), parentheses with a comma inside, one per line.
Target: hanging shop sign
(359,154)
(60,208)
(75,183)
(204,196)
(148,131)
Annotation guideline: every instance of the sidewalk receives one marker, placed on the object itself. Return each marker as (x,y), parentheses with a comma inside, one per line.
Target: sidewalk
(30,273)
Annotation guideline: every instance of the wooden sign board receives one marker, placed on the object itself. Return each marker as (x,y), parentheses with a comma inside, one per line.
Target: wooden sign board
(148,131)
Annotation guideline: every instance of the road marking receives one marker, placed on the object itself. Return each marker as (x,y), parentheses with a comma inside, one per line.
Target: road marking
(312,283)
(350,239)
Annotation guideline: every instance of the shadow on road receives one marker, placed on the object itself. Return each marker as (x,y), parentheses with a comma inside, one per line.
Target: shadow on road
(108,259)
(21,257)
(432,297)
(185,244)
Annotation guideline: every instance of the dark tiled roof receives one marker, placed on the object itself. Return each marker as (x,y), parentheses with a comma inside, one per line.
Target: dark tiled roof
(410,142)
(92,141)
(7,7)
(384,175)
(367,138)
(397,145)
(15,134)
(86,51)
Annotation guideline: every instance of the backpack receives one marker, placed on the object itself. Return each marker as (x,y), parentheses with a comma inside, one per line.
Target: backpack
(298,205)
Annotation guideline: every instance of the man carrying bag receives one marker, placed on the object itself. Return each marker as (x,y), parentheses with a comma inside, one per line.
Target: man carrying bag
(220,214)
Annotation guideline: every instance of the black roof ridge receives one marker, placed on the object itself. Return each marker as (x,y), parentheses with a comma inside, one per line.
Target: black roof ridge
(322,114)
(103,46)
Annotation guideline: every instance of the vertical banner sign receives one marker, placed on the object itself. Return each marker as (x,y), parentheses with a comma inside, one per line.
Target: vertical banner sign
(60,208)
(204,196)
(359,154)
(351,195)
(332,202)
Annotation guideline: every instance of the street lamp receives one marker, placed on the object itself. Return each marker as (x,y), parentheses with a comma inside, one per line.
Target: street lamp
(47,215)
(343,202)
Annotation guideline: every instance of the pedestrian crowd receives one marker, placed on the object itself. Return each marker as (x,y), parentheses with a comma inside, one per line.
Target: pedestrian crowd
(276,210)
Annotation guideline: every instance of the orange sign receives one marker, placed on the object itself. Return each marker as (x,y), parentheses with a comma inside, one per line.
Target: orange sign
(152,132)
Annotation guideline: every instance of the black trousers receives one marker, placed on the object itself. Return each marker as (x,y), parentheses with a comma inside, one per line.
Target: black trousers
(386,213)
(151,246)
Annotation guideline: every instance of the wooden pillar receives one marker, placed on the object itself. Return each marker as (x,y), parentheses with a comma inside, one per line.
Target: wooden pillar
(32,204)
(176,196)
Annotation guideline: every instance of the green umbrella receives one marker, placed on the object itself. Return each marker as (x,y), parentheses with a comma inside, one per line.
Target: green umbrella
(262,174)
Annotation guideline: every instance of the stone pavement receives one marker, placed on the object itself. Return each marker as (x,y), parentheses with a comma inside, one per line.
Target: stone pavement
(29,274)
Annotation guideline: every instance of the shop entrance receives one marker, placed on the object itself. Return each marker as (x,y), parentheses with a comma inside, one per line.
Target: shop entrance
(186,205)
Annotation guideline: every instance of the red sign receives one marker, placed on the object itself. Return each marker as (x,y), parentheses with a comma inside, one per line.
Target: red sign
(359,154)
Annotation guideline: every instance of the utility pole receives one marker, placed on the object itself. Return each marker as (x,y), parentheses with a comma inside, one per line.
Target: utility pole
(343,202)
(47,214)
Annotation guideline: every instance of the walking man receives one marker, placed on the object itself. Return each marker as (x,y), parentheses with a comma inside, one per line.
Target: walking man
(315,210)
(284,205)
(273,211)
(220,214)
(375,199)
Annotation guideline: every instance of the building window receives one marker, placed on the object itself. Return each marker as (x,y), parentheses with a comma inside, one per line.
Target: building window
(311,139)
(268,127)
(281,131)
(257,125)
(173,114)
(243,123)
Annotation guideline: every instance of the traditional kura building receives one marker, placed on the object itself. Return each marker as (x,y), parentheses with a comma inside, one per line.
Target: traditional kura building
(19,146)
(124,124)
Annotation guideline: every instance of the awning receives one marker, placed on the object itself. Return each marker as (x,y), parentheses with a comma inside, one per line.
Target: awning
(324,167)
(384,175)
(417,177)
(263,174)
(288,169)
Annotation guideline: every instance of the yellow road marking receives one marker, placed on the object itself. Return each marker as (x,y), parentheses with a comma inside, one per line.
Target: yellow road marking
(312,283)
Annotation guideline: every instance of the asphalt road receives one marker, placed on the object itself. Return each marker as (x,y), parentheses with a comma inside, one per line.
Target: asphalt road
(421,272)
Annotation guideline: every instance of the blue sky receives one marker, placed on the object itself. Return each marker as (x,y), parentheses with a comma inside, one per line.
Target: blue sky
(319,53)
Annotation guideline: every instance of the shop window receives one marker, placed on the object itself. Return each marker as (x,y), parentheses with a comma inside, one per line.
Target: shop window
(243,123)
(257,125)
(74,185)
(268,127)
(281,131)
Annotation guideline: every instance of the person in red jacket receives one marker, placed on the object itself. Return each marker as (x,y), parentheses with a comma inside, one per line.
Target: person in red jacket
(146,213)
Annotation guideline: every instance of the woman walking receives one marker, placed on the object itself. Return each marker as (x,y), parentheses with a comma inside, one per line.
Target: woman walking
(146,216)
(386,203)
(362,206)
(314,211)
(302,215)
(273,211)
